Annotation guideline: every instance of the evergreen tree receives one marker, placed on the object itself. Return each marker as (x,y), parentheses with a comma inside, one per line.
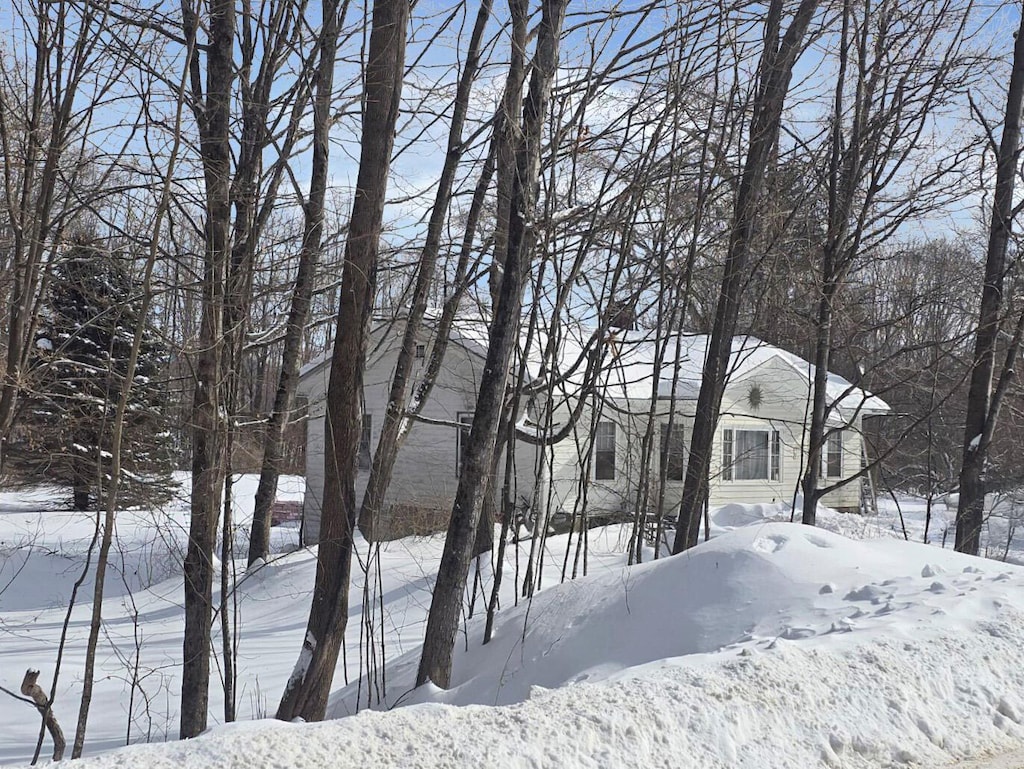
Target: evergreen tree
(81,353)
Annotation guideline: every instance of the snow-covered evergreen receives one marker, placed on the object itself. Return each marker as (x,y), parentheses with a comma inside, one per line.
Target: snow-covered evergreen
(79,365)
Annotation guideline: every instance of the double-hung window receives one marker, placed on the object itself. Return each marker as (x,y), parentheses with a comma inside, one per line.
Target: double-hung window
(604,452)
(751,455)
(672,452)
(833,455)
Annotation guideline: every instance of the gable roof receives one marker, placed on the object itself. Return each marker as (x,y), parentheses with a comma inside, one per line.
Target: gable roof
(469,332)
(629,367)
(629,364)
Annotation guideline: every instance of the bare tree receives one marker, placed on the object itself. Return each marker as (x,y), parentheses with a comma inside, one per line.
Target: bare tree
(48,99)
(983,403)
(896,73)
(395,417)
(306,692)
(212,109)
(778,58)
(309,254)
(519,151)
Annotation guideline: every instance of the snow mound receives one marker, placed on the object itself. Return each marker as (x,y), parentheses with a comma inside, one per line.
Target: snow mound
(749,587)
(734,514)
(776,645)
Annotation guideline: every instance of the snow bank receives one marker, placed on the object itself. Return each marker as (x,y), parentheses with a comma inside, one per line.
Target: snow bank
(772,646)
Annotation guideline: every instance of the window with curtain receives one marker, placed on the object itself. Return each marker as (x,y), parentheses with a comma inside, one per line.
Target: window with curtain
(751,455)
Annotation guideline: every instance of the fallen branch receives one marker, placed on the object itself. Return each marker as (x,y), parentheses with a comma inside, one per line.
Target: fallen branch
(38,697)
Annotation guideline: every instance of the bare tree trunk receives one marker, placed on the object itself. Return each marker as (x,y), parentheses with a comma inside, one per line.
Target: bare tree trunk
(31,688)
(117,428)
(306,692)
(521,146)
(776,69)
(208,437)
(392,433)
(309,256)
(982,408)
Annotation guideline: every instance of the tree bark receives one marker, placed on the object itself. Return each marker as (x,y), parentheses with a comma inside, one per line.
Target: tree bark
(392,434)
(982,408)
(776,70)
(519,157)
(31,688)
(306,692)
(208,437)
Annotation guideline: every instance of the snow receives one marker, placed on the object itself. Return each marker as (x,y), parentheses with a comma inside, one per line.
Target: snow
(772,645)
(629,367)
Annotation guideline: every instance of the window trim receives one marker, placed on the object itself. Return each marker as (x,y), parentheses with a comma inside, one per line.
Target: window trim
(833,450)
(729,454)
(599,466)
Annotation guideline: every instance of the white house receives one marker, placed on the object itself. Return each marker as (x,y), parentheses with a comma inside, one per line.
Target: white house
(583,435)
(425,476)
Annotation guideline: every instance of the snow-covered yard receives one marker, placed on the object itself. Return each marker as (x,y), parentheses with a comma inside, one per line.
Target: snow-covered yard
(773,645)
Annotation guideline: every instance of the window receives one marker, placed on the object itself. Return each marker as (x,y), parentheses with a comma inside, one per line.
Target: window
(421,351)
(751,455)
(464,418)
(672,452)
(834,454)
(604,452)
(365,458)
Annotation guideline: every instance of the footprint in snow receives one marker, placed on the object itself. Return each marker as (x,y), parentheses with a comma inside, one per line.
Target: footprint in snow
(797,633)
(890,607)
(770,544)
(873,593)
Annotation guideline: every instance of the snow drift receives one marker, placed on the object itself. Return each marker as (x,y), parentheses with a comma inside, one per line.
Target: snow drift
(775,645)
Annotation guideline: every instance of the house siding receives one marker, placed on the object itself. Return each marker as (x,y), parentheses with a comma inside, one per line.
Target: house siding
(425,475)
(560,477)
(781,403)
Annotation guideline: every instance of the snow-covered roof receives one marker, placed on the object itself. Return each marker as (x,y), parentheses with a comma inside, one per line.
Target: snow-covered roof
(468,330)
(629,367)
(629,363)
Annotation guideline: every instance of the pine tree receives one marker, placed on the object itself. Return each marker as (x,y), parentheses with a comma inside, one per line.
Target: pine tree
(81,352)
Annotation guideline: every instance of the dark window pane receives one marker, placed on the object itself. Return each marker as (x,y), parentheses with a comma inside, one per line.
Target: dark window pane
(365,457)
(673,452)
(604,452)
(465,418)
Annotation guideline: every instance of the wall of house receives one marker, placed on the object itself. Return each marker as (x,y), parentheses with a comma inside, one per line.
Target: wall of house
(573,465)
(425,477)
(778,403)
